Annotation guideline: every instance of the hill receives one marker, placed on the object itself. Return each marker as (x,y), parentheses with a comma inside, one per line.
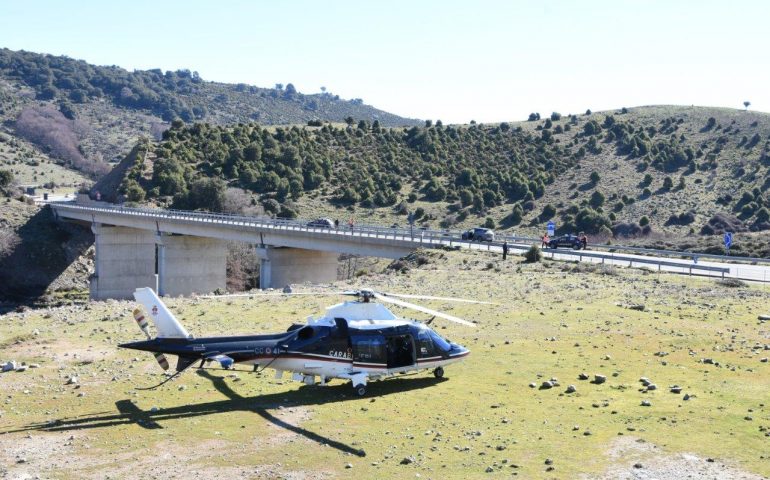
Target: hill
(633,173)
(84,115)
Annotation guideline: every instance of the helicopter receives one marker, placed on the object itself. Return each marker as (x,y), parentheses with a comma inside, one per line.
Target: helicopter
(360,341)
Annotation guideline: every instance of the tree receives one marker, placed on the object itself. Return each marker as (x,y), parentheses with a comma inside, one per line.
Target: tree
(746,104)
(206,194)
(644,221)
(6,179)
(350,120)
(597,199)
(668,184)
(516,215)
(595,177)
(548,212)
(533,255)
(489,223)
(555,116)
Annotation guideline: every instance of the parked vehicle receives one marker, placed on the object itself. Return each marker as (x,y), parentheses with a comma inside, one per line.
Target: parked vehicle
(479,234)
(568,240)
(321,223)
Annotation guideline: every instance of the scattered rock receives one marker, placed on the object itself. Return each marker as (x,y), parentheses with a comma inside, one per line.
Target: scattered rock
(570,389)
(34,365)
(533,385)
(599,379)
(708,361)
(638,465)
(489,470)
(763,359)
(407,460)
(349,465)
(546,385)
(676,389)
(639,307)
(154,409)
(73,380)
(21,368)
(686,397)
(764,318)
(652,386)
(583,376)
(548,461)
(646,403)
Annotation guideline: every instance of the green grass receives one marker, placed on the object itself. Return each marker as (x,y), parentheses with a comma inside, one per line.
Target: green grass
(550,321)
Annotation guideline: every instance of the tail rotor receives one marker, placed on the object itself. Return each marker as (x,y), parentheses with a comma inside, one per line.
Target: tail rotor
(144,327)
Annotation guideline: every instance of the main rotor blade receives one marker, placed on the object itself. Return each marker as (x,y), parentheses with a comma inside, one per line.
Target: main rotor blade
(271,294)
(430,297)
(422,309)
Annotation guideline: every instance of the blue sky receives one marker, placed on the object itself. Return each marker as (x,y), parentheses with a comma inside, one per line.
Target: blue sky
(484,60)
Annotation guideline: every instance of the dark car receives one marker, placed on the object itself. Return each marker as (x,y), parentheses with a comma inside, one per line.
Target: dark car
(479,234)
(568,240)
(321,223)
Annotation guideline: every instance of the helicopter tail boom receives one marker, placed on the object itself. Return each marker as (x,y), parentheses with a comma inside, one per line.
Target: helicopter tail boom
(166,324)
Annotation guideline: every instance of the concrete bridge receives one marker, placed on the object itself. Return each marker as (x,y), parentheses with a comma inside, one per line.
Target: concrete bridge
(182,252)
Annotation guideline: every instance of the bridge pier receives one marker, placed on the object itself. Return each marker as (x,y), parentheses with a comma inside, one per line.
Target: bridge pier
(188,264)
(279,267)
(124,261)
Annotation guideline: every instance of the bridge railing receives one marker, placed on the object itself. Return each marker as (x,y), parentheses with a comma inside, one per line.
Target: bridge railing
(416,236)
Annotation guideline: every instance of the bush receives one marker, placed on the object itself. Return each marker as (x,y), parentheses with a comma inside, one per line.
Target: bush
(595,177)
(6,179)
(668,184)
(644,221)
(533,255)
(489,223)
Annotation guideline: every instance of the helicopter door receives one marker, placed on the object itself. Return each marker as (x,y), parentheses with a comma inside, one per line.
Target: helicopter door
(400,351)
(369,351)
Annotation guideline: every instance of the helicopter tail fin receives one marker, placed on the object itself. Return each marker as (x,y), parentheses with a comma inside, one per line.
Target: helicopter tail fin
(165,323)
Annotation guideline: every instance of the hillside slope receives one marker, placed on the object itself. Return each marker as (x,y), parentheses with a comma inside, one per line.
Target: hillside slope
(98,113)
(678,171)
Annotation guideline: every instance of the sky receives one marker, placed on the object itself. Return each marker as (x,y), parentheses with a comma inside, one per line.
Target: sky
(456,61)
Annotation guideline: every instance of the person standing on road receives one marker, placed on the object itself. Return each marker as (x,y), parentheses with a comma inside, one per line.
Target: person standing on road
(336,223)
(545,241)
(584,241)
(505,249)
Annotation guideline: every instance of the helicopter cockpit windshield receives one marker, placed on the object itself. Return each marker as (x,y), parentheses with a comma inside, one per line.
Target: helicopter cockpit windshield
(439,342)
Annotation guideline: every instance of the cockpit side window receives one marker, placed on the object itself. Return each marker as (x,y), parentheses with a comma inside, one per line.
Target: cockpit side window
(425,343)
(305,333)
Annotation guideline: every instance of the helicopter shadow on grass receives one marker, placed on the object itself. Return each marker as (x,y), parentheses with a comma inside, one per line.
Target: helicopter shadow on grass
(129,413)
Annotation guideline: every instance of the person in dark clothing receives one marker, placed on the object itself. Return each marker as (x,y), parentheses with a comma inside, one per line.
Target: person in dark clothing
(336,223)
(584,241)
(505,249)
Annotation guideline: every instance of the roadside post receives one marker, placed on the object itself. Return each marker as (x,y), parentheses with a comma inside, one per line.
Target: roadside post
(410,219)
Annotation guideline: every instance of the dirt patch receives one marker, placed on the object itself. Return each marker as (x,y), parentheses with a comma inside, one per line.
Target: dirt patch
(634,458)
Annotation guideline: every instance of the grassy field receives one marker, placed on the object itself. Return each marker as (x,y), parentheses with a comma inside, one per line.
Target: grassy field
(552,320)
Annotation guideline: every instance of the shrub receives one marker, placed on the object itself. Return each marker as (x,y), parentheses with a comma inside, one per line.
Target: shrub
(533,255)
(597,199)
(668,184)
(489,223)
(644,221)
(555,116)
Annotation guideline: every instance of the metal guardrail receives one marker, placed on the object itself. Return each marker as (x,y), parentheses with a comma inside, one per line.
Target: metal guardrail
(655,251)
(580,254)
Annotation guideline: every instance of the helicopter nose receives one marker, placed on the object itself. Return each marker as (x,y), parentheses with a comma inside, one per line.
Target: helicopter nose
(459,351)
